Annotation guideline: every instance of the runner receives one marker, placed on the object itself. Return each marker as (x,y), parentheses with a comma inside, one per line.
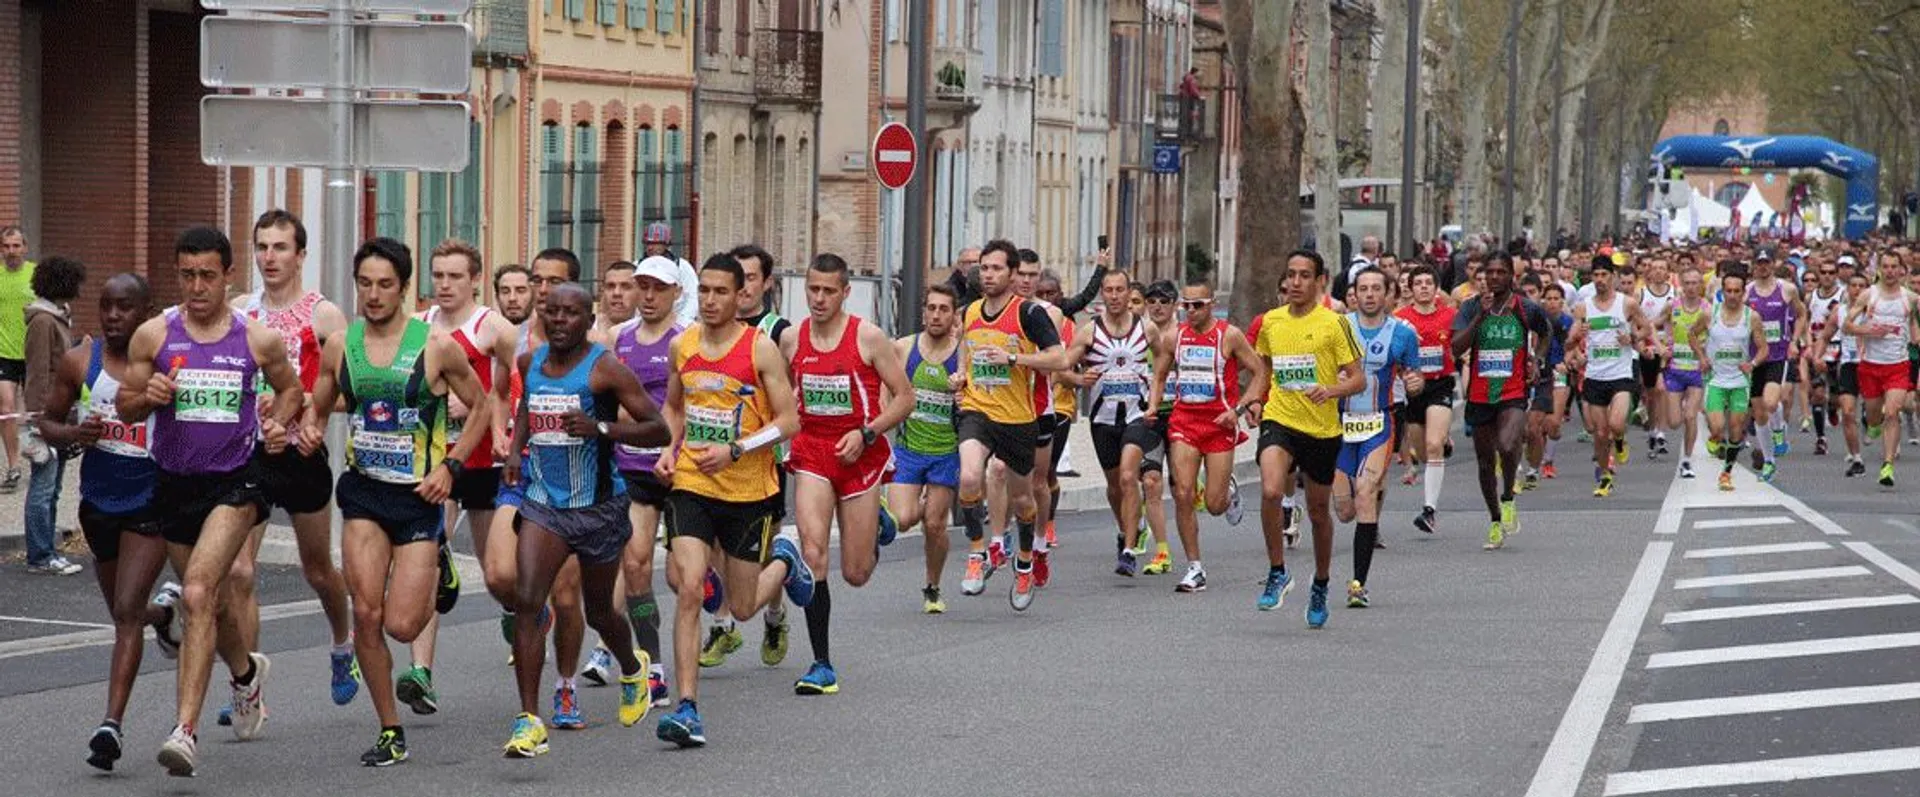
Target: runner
(513,293)
(1606,327)
(728,403)
(1733,344)
(1389,355)
(1065,399)
(1051,425)
(1886,320)
(1429,412)
(299,483)
(16,292)
(1825,307)
(1159,301)
(1308,360)
(1656,294)
(575,505)
(657,241)
(1684,387)
(194,371)
(399,470)
(1008,339)
(1119,349)
(1843,354)
(117,514)
(927,451)
(1784,317)
(1547,407)
(1504,338)
(617,289)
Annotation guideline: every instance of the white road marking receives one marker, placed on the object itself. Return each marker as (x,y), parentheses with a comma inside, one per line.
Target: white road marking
(1757,550)
(1893,566)
(1743,522)
(1779,770)
(1903,525)
(1772,577)
(49,621)
(1782,650)
(1818,521)
(1790,607)
(1775,702)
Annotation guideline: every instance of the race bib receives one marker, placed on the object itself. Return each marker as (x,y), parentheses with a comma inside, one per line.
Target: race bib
(1560,379)
(826,394)
(932,406)
(1603,353)
(1359,427)
(1683,359)
(547,419)
(1772,329)
(383,456)
(986,374)
(205,395)
(711,426)
(1432,359)
(1295,372)
(1729,356)
(1496,363)
(1196,376)
(1124,384)
(123,439)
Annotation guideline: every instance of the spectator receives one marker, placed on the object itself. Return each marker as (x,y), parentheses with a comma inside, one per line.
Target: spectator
(657,239)
(16,290)
(965,279)
(49,325)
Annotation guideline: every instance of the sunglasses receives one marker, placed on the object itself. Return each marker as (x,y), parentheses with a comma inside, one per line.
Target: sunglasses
(1829,271)
(1195,302)
(1158,300)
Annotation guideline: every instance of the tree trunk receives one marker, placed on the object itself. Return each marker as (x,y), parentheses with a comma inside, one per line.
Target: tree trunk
(1259,38)
(1389,90)
(1322,151)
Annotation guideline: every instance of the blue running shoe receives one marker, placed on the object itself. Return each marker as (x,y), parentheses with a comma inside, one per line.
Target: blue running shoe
(712,596)
(1274,593)
(346,677)
(799,576)
(819,680)
(225,718)
(1767,471)
(1317,606)
(566,710)
(1780,444)
(889,527)
(682,727)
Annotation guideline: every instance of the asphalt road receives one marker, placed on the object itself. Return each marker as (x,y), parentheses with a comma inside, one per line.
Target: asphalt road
(1475,673)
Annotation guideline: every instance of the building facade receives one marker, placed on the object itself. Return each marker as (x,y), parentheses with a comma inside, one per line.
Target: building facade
(759,67)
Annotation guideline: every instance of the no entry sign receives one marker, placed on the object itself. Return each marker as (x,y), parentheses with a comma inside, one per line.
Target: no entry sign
(894,155)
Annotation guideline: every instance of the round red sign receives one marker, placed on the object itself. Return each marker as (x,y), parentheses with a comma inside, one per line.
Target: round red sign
(894,155)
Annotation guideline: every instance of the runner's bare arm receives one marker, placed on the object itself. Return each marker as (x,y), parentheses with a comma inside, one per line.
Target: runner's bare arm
(671,414)
(643,426)
(511,473)
(881,354)
(326,386)
(1162,363)
(60,398)
(144,390)
(270,353)
(446,359)
(778,388)
(500,345)
(328,320)
(1857,313)
(1756,342)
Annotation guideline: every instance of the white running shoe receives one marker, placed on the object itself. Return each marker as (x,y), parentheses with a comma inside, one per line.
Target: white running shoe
(1235,511)
(1194,581)
(249,705)
(178,753)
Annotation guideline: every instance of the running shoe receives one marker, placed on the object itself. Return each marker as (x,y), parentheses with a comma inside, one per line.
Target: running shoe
(1194,581)
(1145,541)
(712,594)
(1873,431)
(1549,471)
(1856,468)
(1236,511)
(1886,474)
(566,710)
(1806,424)
(249,706)
(529,737)
(1447,452)
(1726,482)
(1127,565)
(599,669)
(819,680)
(346,676)
(55,565)
(1713,448)
(1583,437)
(889,528)
(1759,457)
(166,633)
(975,581)
(1509,517)
(773,640)
(1780,446)
(104,748)
(1273,591)
(1317,606)
(1686,469)
(1604,486)
(1426,520)
(389,749)
(1412,478)
(1766,472)
(1653,449)
(1357,596)
(1290,528)
(415,688)
(682,727)
(997,553)
(1820,446)
(1495,537)
(1160,565)
(1660,442)
(1620,451)
(1042,571)
(508,624)
(444,598)
(1051,537)
(179,752)
(12,482)
(1531,483)
(657,687)
(799,576)
(930,601)
(635,696)
(224,717)
(1020,595)
(721,643)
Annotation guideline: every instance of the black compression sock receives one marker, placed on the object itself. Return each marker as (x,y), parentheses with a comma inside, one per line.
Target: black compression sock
(1364,536)
(247,679)
(971,518)
(818,612)
(644,614)
(1026,535)
(1819,423)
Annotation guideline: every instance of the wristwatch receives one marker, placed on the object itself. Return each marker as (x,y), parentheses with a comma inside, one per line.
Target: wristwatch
(455,468)
(868,435)
(734,450)
(603,429)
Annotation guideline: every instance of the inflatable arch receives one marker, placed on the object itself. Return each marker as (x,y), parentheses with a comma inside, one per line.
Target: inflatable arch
(1859,169)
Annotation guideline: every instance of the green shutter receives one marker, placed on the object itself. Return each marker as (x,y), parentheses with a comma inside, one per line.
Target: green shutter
(637,14)
(553,188)
(576,9)
(466,192)
(646,185)
(586,202)
(669,16)
(390,205)
(673,185)
(608,12)
(433,226)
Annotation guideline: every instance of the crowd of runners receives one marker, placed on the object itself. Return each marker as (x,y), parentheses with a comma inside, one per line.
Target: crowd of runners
(575,434)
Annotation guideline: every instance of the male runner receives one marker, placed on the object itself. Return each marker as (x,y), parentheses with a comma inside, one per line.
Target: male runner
(1051,428)
(1119,349)
(1547,409)
(1429,412)
(926,453)
(1886,320)
(301,483)
(728,403)
(617,289)
(1201,361)
(1606,328)
(1655,295)
(840,455)
(195,371)
(1784,316)
(1009,340)
(1389,353)
(1843,380)
(1503,338)
(1732,341)
(513,293)
(1066,405)
(1308,361)
(575,505)
(16,292)
(657,240)
(1684,387)
(1826,300)
(399,469)
(117,514)
(1159,299)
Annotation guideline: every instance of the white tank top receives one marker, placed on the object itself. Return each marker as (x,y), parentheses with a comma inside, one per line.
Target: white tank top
(1890,310)
(1820,311)
(1654,305)
(1609,341)
(1120,395)
(1727,347)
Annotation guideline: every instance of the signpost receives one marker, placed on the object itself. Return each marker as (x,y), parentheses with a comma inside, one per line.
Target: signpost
(895,156)
(1166,158)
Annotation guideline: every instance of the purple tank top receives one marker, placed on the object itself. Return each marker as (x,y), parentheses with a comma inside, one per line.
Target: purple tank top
(652,363)
(211,424)
(1776,317)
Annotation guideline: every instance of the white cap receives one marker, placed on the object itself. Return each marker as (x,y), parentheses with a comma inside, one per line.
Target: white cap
(1846,260)
(659,268)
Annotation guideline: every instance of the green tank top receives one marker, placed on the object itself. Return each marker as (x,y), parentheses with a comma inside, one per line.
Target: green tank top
(766,325)
(929,430)
(397,427)
(1683,321)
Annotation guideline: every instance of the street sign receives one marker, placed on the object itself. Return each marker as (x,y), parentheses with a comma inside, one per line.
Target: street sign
(440,8)
(283,53)
(238,130)
(1166,158)
(894,155)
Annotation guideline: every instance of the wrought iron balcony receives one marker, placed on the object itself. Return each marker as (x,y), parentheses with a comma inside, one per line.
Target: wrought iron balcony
(499,30)
(786,65)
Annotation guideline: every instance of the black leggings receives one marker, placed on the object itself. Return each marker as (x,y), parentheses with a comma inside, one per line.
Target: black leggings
(1503,437)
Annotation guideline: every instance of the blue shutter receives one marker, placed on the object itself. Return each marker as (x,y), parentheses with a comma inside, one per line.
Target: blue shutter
(466,192)
(576,9)
(553,188)
(637,14)
(673,185)
(669,16)
(586,201)
(390,205)
(433,225)
(1052,21)
(607,12)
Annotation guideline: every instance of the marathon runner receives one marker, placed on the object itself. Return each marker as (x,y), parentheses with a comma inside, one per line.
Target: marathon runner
(617,291)
(1429,411)
(575,506)
(1656,294)
(1119,349)
(1784,316)
(399,470)
(1843,356)
(728,403)
(1067,385)
(1547,407)
(1389,355)
(1504,340)
(1052,427)
(1606,328)
(1308,360)
(117,513)
(1732,341)
(927,450)
(1684,385)
(1886,320)
(513,293)
(1158,300)
(195,371)
(1826,304)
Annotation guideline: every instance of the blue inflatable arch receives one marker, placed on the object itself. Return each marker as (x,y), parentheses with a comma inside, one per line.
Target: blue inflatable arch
(1859,169)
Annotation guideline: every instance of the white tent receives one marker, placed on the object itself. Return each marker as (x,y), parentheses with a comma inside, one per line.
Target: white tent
(1752,203)
(1705,213)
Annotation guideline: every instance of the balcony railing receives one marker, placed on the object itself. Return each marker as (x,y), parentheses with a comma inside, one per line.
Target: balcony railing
(786,65)
(499,30)
(956,75)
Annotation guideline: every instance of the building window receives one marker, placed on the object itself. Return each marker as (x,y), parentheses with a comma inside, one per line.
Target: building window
(1720,128)
(607,12)
(553,188)
(586,202)
(390,205)
(637,14)
(668,20)
(646,183)
(673,189)
(1053,20)
(893,20)
(432,215)
(713,27)
(576,10)
(466,192)
(742,27)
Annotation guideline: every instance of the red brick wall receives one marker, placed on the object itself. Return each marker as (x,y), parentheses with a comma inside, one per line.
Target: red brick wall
(10,71)
(616,231)
(185,192)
